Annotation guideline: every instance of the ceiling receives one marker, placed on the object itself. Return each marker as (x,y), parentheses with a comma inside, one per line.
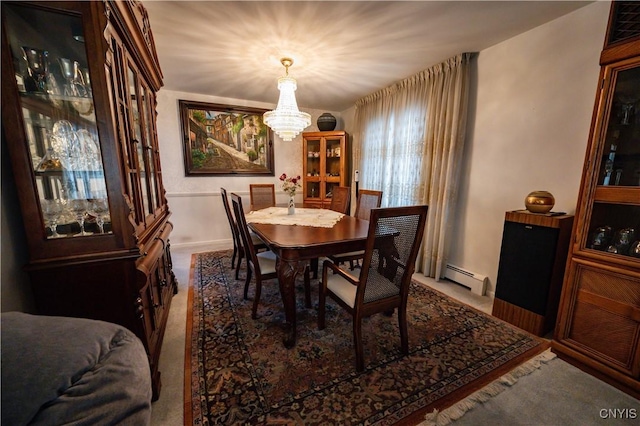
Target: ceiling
(342,51)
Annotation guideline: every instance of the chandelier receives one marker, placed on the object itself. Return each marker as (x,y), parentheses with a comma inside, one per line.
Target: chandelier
(286,120)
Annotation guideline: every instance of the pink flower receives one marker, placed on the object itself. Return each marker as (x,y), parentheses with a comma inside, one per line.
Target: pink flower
(290,184)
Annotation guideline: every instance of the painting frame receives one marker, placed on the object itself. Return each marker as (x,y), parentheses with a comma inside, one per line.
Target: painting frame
(225,140)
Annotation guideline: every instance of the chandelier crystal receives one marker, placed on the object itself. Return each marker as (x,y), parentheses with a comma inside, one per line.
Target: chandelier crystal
(286,120)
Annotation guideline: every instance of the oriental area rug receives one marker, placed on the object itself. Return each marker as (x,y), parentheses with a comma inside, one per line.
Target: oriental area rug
(237,370)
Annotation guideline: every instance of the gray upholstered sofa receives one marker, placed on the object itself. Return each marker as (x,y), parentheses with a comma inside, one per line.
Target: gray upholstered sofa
(58,370)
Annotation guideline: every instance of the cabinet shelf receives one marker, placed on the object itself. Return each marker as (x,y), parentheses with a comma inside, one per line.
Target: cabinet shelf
(617,194)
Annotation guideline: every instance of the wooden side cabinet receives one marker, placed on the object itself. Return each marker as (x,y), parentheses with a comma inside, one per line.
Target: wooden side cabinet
(598,326)
(325,165)
(79,84)
(532,260)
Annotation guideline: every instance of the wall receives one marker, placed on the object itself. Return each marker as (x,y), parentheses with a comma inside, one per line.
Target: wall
(530,116)
(197,212)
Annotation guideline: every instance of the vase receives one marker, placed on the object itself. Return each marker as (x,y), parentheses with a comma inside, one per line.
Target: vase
(326,122)
(292,206)
(539,202)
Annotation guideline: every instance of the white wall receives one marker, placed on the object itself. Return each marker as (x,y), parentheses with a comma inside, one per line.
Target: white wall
(197,212)
(531,110)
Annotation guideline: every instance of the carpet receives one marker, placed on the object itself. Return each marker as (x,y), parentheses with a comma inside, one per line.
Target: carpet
(237,370)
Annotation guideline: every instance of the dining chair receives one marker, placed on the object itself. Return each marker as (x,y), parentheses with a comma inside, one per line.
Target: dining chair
(238,247)
(393,240)
(262,264)
(262,195)
(367,200)
(341,195)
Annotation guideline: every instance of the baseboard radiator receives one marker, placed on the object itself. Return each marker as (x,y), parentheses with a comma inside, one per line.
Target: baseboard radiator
(475,282)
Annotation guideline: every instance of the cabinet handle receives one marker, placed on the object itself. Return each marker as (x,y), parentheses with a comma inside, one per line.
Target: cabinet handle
(139,308)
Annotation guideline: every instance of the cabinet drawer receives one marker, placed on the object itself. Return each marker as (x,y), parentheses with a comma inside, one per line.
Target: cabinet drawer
(605,319)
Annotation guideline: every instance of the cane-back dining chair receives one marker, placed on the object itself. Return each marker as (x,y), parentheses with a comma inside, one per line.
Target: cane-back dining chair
(394,237)
(238,247)
(341,195)
(367,200)
(262,264)
(262,195)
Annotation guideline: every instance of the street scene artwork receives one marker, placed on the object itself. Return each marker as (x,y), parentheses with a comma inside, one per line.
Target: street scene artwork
(225,140)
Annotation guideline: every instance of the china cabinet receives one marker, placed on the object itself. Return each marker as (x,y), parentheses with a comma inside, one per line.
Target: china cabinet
(79,81)
(325,165)
(598,326)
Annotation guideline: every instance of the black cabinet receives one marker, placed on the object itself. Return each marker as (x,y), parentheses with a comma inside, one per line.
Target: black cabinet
(532,260)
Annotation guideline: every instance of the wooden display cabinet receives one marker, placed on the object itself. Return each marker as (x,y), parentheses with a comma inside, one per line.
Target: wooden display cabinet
(325,165)
(79,83)
(598,325)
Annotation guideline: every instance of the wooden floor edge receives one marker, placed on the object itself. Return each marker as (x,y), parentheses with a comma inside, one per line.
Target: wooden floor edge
(187,408)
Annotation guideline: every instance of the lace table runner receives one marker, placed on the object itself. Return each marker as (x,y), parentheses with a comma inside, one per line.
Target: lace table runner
(321,218)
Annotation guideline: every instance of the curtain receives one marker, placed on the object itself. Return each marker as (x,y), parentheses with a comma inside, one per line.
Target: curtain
(408,143)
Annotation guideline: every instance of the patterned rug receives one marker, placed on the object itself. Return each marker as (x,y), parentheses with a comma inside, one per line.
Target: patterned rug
(238,371)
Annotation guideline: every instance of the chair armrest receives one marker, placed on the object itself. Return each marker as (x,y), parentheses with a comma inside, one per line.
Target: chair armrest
(327,264)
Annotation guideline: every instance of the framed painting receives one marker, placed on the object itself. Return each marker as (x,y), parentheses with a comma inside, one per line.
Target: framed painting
(225,140)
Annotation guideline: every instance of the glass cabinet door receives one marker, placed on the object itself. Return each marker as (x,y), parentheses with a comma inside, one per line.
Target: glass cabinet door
(312,168)
(615,214)
(332,165)
(54,83)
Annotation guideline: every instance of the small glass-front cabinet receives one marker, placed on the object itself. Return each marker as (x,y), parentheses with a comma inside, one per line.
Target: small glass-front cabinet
(325,165)
(79,84)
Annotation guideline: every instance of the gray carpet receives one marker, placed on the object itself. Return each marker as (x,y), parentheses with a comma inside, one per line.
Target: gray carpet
(555,394)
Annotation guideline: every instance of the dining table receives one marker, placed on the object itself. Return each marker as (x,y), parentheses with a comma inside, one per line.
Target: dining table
(295,245)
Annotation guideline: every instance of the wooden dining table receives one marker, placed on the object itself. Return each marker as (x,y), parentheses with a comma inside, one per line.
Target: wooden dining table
(296,245)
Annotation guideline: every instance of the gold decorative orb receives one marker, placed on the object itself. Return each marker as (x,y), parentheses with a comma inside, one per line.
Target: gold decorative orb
(539,202)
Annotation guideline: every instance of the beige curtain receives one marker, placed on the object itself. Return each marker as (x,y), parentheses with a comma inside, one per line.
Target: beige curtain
(408,143)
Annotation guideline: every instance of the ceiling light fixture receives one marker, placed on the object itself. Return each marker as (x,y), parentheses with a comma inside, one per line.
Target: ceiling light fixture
(286,120)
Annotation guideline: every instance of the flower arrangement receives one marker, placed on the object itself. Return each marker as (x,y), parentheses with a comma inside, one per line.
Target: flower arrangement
(290,184)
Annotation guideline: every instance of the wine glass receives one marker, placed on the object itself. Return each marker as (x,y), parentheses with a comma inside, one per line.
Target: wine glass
(79,208)
(99,207)
(51,210)
(38,64)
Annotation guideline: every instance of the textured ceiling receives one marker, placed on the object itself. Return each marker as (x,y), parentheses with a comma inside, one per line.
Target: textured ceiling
(342,51)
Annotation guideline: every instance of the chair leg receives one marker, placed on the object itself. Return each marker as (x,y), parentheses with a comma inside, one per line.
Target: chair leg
(233,256)
(314,267)
(357,340)
(322,298)
(246,283)
(256,300)
(404,336)
(240,257)
(307,287)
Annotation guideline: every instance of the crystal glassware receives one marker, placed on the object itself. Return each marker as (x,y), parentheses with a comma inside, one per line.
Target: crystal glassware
(52,210)
(37,63)
(79,207)
(99,207)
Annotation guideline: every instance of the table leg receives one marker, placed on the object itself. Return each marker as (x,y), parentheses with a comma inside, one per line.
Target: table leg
(287,272)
